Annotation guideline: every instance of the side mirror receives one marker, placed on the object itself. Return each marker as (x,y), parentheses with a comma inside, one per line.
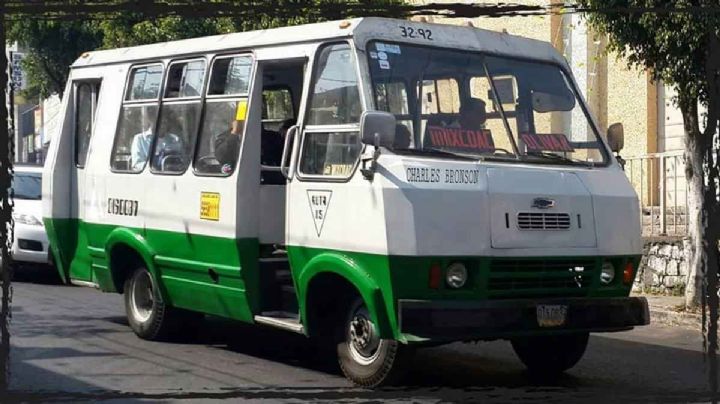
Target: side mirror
(616,137)
(377,128)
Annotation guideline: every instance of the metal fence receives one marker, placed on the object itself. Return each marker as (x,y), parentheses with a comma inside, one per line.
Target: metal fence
(659,180)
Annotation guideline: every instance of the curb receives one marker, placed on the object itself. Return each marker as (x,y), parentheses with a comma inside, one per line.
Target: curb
(667,316)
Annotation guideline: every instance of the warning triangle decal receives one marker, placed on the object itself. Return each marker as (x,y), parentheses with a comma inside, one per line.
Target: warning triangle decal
(319,203)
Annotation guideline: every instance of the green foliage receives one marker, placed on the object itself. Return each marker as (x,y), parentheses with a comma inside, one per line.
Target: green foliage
(52,47)
(54,44)
(673,45)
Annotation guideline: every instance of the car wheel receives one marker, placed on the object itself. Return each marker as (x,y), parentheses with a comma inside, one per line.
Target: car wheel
(551,355)
(364,357)
(148,315)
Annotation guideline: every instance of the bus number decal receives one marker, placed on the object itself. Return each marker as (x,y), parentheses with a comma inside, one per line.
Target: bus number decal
(319,202)
(410,32)
(210,206)
(122,207)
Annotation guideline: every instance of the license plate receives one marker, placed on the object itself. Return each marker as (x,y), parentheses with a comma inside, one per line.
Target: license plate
(551,315)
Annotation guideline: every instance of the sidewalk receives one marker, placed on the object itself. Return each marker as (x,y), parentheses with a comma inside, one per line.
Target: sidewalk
(670,310)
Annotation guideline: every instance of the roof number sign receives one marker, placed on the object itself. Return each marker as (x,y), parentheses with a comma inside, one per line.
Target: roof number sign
(415,33)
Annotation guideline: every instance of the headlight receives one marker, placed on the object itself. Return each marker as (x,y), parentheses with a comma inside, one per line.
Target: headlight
(456,275)
(607,275)
(26,219)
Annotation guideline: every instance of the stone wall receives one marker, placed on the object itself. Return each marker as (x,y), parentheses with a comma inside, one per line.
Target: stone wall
(664,267)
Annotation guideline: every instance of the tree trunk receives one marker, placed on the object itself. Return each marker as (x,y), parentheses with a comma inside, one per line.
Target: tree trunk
(694,157)
(702,169)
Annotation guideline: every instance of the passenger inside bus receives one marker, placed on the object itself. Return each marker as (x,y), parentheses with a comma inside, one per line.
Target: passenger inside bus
(227,146)
(472,114)
(402,137)
(140,147)
(169,152)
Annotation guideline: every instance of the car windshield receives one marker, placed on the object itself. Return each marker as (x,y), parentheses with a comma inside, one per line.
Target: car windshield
(480,106)
(27,185)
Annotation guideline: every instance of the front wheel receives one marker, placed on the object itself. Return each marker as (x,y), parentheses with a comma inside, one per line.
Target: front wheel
(365,358)
(148,315)
(551,355)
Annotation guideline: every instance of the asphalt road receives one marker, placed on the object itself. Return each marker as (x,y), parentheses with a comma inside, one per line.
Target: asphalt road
(73,344)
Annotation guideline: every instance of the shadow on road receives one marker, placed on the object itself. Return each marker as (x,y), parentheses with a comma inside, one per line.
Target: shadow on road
(56,326)
(38,274)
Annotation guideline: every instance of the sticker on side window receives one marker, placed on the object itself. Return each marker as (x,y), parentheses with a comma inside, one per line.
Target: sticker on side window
(241,112)
(556,142)
(387,48)
(384,64)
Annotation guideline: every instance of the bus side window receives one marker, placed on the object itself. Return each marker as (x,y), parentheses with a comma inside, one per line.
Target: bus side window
(223,124)
(136,125)
(86,96)
(335,102)
(179,117)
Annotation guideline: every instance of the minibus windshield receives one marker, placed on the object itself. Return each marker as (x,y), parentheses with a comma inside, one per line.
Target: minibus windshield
(487,107)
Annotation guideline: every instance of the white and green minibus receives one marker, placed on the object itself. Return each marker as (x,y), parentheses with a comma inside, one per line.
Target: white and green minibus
(379,185)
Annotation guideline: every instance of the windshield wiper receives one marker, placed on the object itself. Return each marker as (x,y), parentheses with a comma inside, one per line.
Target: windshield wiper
(559,158)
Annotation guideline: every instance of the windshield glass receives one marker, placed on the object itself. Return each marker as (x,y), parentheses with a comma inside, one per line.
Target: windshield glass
(482,106)
(27,185)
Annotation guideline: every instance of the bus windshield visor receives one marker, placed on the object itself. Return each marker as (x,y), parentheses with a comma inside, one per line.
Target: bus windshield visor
(480,106)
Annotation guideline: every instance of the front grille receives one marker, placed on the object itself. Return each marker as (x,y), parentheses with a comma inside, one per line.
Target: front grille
(543,221)
(510,278)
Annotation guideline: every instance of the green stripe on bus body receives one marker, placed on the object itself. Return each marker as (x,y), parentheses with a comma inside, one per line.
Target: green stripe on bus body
(180,260)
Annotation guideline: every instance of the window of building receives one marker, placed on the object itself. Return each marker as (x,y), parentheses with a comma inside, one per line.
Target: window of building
(86,97)
(223,124)
(331,144)
(179,117)
(138,117)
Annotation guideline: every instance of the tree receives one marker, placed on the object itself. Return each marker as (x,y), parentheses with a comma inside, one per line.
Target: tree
(54,44)
(679,42)
(52,47)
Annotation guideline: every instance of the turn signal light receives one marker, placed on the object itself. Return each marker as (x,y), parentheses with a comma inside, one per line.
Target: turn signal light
(628,273)
(435,277)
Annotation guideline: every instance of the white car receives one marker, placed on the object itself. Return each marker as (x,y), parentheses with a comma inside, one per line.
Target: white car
(30,242)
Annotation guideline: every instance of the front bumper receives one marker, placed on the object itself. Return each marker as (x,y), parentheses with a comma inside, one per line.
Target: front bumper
(468,320)
(30,244)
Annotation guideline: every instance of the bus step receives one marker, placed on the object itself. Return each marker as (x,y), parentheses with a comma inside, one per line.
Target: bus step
(281,319)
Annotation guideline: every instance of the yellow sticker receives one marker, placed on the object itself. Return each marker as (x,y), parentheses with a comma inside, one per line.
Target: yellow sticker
(210,206)
(241,110)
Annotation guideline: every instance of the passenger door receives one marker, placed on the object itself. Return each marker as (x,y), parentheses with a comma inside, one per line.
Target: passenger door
(328,198)
(86,93)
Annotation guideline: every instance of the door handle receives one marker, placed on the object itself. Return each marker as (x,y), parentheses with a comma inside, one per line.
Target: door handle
(284,165)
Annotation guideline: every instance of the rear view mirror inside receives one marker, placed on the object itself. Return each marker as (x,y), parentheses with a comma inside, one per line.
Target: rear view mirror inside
(549,102)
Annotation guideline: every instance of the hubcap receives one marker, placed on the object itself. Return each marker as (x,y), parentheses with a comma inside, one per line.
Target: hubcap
(141,297)
(363,339)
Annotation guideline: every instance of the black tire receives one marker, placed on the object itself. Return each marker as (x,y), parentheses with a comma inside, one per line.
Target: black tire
(550,355)
(148,315)
(371,365)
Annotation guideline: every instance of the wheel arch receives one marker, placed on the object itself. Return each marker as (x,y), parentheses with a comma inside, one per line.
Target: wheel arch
(124,247)
(337,272)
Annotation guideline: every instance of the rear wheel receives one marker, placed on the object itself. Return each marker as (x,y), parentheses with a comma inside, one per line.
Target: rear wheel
(551,355)
(148,315)
(364,357)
